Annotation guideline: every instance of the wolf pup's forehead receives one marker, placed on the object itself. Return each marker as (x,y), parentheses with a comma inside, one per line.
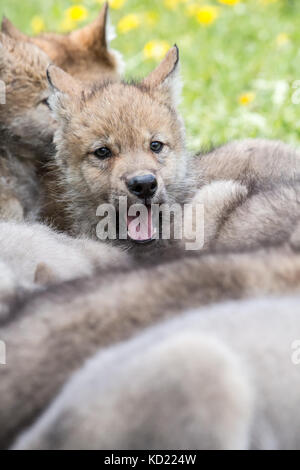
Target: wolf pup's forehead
(24,61)
(160,86)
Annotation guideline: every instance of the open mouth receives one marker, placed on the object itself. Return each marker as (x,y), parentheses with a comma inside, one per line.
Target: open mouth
(140,228)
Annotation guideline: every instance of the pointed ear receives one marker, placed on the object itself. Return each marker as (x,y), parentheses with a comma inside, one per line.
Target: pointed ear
(2,43)
(165,78)
(11,30)
(94,35)
(63,82)
(6,45)
(66,92)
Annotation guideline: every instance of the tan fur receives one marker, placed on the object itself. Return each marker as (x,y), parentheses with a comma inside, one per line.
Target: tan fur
(44,275)
(125,118)
(83,53)
(24,115)
(10,206)
(26,127)
(79,183)
(20,192)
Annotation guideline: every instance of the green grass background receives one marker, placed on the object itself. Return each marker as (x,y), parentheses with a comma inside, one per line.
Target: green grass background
(238,53)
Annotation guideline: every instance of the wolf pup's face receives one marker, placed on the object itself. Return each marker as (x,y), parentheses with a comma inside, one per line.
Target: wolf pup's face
(24,112)
(119,139)
(84,53)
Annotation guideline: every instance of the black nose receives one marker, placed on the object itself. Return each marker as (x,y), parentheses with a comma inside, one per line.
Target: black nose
(143,186)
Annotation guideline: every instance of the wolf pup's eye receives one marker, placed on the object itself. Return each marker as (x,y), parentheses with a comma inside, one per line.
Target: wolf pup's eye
(156,146)
(45,102)
(103,153)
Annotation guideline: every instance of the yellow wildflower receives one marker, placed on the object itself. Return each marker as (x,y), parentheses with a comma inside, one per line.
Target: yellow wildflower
(207,14)
(76,13)
(282,39)
(114,4)
(128,22)
(246,98)
(37,24)
(156,49)
(229,2)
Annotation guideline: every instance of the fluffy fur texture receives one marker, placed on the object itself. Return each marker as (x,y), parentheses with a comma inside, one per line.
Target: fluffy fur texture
(8,289)
(26,125)
(252,162)
(246,187)
(83,53)
(82,182)
(20,191)
(26,128)
(216,378)
(250,192)
(125,117)
(57,330)
(34,256)
(219,199)
(236,217)
(52,333)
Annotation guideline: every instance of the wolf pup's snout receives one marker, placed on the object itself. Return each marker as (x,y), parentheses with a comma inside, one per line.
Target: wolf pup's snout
(143,186)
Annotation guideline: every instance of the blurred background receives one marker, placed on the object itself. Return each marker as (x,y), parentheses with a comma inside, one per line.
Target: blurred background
(240,59)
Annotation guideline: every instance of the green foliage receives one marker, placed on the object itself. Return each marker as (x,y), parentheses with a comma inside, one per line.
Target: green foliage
(238,71)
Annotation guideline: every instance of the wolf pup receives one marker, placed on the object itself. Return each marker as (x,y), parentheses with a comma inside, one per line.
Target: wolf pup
(127,140)
(250,193)
(26,125)
(215,378)
(236,217)
(70,322)
(84,53)
(117,139)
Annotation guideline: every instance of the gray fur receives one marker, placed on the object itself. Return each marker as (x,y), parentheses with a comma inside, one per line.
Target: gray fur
(216,378)
(33,256)
(57,330)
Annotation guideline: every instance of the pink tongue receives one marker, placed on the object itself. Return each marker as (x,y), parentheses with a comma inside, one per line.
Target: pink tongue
(140,228)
